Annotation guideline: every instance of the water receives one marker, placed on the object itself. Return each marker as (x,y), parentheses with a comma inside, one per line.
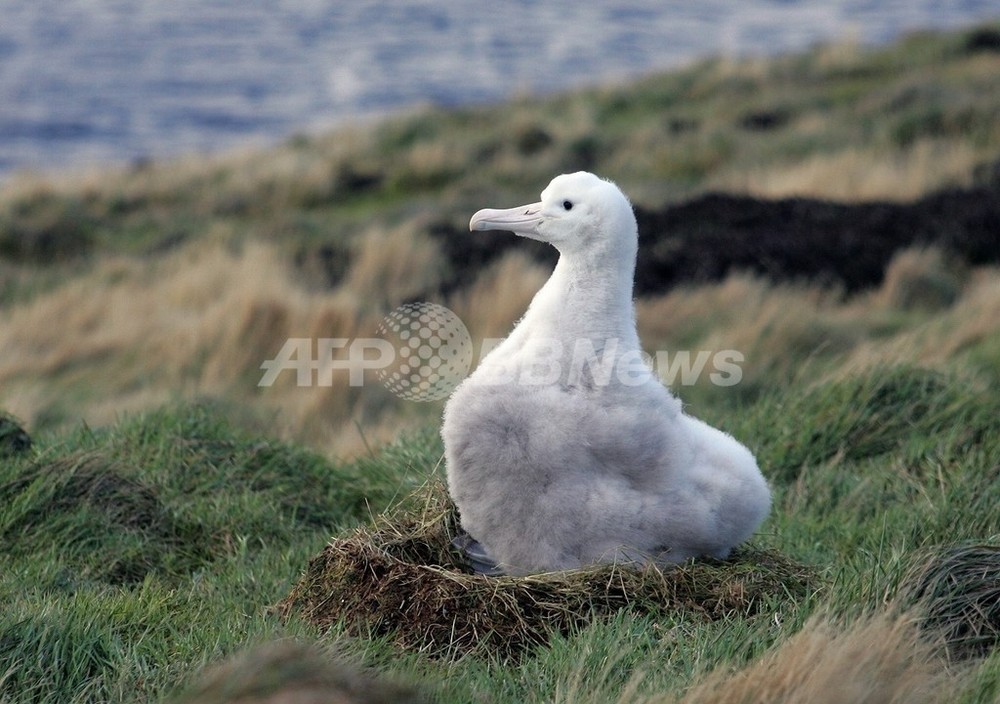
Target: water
(84,81)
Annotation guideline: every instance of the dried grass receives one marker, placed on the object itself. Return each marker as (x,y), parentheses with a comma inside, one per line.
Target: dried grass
(854,174)
(777,328)
(401,579)
(879,660)
(393,266)
(493,304)
(242,179)
(198,322)
(921,278)
(291,673)
(969,322)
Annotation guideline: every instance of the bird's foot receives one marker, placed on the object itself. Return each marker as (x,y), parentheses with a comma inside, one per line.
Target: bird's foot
(476,556)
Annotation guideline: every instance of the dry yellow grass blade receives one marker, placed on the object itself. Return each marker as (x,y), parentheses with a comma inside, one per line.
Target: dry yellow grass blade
(881,660)
(858,174)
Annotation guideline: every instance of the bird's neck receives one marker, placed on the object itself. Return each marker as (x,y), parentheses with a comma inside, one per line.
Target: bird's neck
(588,296)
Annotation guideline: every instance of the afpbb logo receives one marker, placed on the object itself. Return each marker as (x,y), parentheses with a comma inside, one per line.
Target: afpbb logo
(433,351)
(424,352)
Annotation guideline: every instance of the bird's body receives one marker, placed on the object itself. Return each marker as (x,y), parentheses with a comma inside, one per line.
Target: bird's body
(563,448)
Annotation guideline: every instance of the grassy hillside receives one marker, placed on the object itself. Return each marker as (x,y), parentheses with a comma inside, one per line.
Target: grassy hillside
(134,555)
(165,505)
(123,290)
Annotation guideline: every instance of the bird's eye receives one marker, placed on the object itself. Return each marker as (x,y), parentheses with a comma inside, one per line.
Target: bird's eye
(567,205)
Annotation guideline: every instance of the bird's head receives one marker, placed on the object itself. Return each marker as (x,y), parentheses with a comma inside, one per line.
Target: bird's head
(577,212)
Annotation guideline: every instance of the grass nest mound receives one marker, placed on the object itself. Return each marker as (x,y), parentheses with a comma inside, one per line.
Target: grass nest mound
(401,579)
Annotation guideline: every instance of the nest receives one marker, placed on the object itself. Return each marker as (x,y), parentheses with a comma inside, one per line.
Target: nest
(957,589)
(400,579)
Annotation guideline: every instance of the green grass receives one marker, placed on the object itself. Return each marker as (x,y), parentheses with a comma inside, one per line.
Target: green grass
(134,555)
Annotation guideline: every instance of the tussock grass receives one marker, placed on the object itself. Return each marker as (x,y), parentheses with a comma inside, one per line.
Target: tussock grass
(957,589)
(876,660)
(921,278)
(129,532)
(398,265)
(402,579)
(143,500)
(131,555)
(196,323)
(868,415)
(862,173)
(964,334)
(199,323)
(228,522)
(499,296)
(13,438)
(288,671)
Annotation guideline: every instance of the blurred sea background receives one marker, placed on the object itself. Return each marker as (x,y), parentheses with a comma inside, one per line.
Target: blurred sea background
(86,82)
